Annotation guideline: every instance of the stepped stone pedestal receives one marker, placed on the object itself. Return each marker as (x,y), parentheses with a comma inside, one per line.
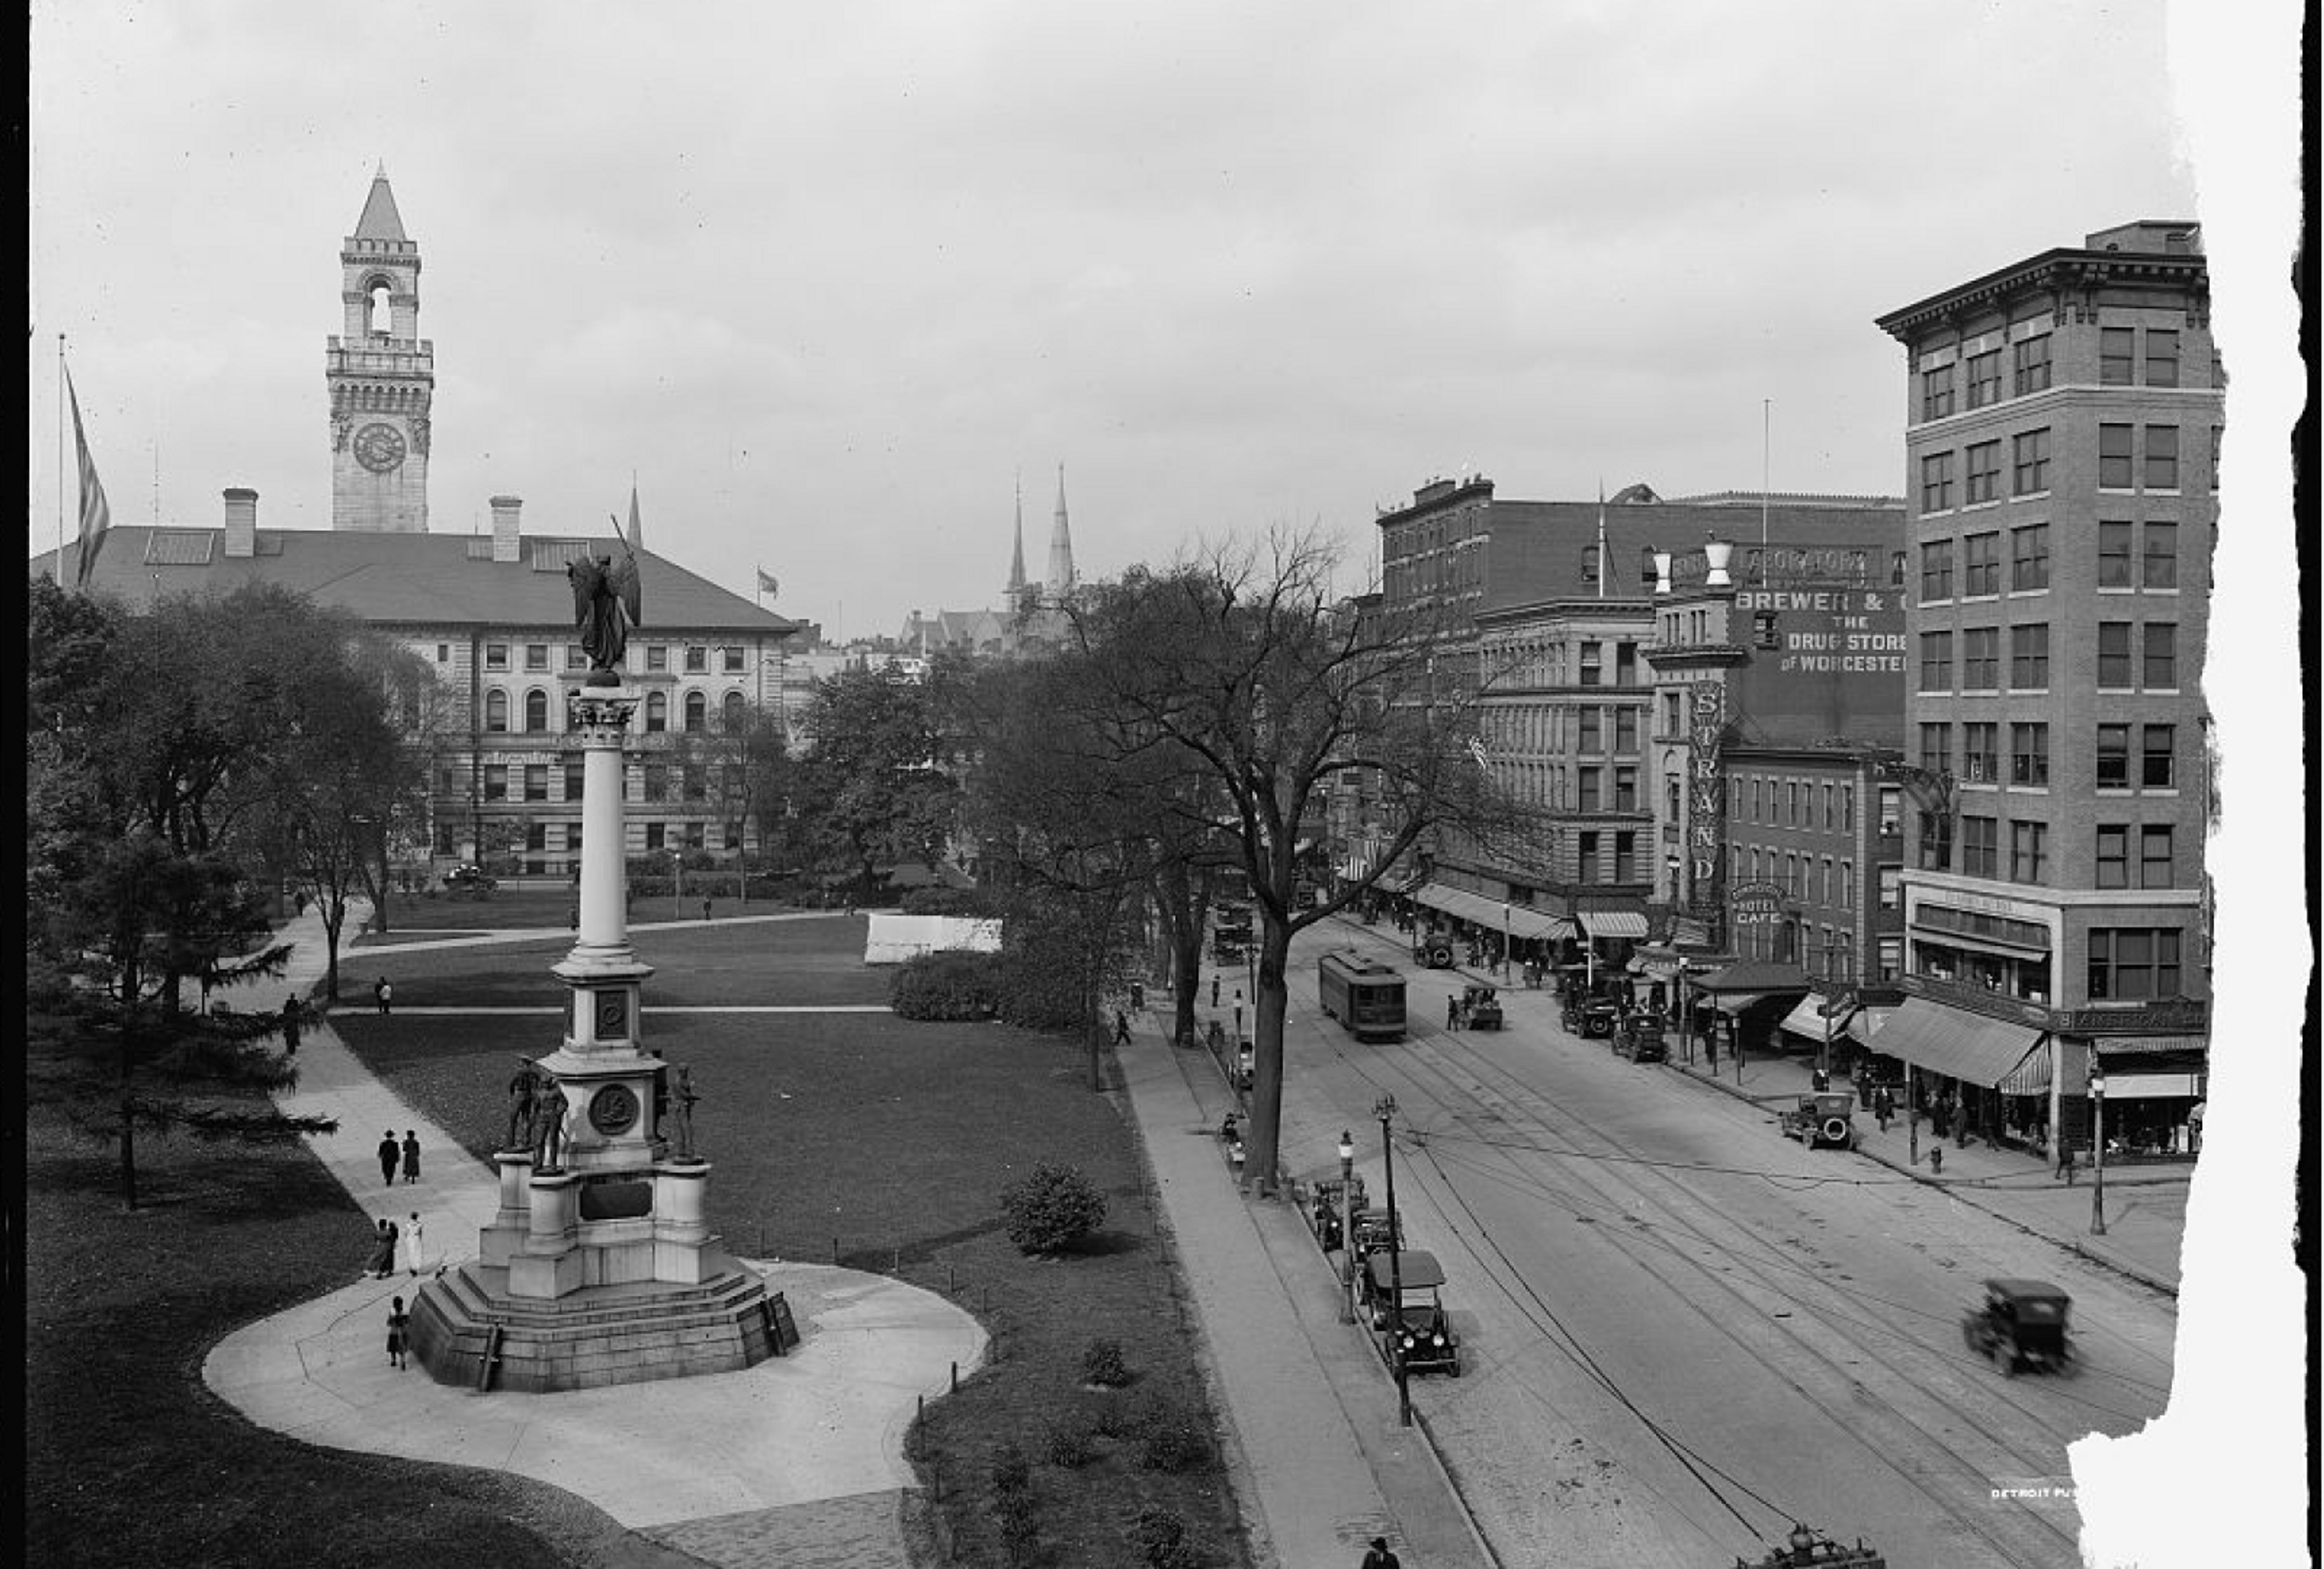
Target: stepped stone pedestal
(600,1266)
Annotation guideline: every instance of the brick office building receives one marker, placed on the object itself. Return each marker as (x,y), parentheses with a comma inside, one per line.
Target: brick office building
(2062,431)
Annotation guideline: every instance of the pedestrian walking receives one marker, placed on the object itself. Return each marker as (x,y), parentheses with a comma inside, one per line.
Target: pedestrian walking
(1215,991)
(1381,1556)
(1451,1013)
(290,1025)
(2066,1161)
(399,1324)
(705,908)
(391,1156)
(1884,1106)
(1121,1028)
(382,1256)
(382,993)
(411,1156)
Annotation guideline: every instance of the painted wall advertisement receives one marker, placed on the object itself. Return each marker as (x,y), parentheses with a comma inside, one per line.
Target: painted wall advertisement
(1707,798)
(1825,661)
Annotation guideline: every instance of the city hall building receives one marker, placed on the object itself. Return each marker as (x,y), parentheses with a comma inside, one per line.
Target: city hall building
(2062,445)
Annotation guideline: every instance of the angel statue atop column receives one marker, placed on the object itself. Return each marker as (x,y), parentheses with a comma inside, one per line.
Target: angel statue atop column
(605,600)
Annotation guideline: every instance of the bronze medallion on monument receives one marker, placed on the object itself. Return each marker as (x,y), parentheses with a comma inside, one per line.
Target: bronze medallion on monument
(613,1016)
(614,1109)
(380,447)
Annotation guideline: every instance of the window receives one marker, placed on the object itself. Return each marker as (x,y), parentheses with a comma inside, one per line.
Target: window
(1936,844)
(1626,789)
(2131,964)
(496,710)
(657,657)
(495,781)
(575,658)
(536,711)
(694,782)
(1829,821)
(574,774)
(2154,856)
(1936,661)
(657,835)
(1625,731)
(2113,556)
(1980,846)
(1592,674)
(697,710)
(657,781)
(2163,458)
(536,837)
(1588,779)
(2115,457)
(1937,748)
(730,710)
(1793,887)
(1892,887)
(1585,858)
(2161,663)
(1589,738)
(1891,958)
(2216,434)
(2029,755)
(2114,855)
(2158,566)
(2029,658)
(1984,473)
(2157,746)
(1936,571)
(1671,796)
(1980,744)
(1670,714)
(2118,356)
(2161,357)
(1847,884)
(536,781)
(2026,851)
(2032,452)
(2030,364)
(2114,757)
(1981,564)
(496,656)
(1755,798)
(536,656)
(444,650)
(731,660)
(693,836)
(698,661)
(1589,563)
(1625,857)
(1848,809)
(2029,558)
(1626,664)
(2114,654)
(1937,393)
(1937,482)
(1984,378)
(1981,660)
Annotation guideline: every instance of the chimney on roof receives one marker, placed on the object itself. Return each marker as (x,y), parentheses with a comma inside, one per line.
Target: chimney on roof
(505,528)
(241,521)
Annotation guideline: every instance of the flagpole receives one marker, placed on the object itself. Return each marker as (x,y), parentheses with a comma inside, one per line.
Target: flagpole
(60,460)
(1603,568)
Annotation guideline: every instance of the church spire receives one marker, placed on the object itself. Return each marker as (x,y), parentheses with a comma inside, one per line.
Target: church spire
(1016,589)
(1060,580)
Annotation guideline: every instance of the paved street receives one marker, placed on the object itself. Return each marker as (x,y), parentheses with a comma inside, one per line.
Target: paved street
(1681,1331)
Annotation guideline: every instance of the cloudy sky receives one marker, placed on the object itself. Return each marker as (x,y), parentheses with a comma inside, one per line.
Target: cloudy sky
(827,279)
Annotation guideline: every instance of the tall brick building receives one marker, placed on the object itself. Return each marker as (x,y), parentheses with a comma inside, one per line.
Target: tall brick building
(2061,440)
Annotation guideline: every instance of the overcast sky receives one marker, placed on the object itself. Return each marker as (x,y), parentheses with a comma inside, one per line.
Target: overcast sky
(827,278)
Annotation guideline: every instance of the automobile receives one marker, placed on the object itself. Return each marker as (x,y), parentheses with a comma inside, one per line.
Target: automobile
(1640,1037)
(1372,1230)
(1481,1007)
(1593,1018)
(1433,950)
(469,878)
(1822,1120)
(2021,1323)
(1401,1298)
(1324,1208)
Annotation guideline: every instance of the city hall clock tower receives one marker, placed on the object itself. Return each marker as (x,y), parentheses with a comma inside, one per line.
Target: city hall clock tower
(382,376)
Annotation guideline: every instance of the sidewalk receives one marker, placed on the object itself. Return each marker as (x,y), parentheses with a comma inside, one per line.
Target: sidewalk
(796,1462)
(1323,1465)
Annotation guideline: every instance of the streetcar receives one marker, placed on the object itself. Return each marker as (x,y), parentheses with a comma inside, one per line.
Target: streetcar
(1366,996)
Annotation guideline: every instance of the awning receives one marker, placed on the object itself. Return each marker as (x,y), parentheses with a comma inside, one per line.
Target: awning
(2029,1077)
(1611,923)
(1807,1019)
(1967,1047)
(2154,1086)
(1735,1002)
(1491,913)
(1866,1024)
(2147,1045)
(1756,975)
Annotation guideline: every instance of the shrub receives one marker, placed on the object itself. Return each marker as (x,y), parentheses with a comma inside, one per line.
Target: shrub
(1160,1538)
(1102,1363)
(1068,1442)
(1108,1417)
(948,985)
(1172,1438)
(1053,1207)
(1013,1472)
(960,901)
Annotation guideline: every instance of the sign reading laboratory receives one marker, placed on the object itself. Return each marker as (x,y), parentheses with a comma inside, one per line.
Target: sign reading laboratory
(1825,661)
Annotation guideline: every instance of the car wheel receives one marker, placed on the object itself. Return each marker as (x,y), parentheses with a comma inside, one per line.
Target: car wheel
(2005,1358)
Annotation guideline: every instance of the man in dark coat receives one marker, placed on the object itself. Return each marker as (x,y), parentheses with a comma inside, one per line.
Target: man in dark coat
(391,1156)
(291,1025)
(1382,1557)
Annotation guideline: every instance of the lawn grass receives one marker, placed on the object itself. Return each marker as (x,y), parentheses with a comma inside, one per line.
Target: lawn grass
(861,1139)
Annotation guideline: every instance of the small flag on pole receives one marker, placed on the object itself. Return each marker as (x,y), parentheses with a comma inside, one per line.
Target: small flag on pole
(95,517)
(766,582)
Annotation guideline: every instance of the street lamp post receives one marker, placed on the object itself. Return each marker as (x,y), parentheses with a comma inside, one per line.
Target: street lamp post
(2097,1153)
(676,886)
(1385,1109)
(1347,1227)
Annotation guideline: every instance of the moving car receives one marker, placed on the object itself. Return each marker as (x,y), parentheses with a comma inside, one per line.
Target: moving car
(1822,1120)
(1433,950)
(2021,1323)
(469,878)
(1481,1007)
(1400,1294)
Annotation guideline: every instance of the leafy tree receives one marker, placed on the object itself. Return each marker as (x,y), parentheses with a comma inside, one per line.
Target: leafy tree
(872,787)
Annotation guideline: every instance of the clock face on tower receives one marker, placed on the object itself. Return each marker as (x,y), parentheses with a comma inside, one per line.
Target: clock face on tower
(379,447)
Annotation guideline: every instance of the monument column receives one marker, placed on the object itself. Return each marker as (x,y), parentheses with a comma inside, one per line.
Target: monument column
(601,714)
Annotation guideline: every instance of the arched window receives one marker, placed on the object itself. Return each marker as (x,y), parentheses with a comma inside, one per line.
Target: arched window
(657,713)
(378,309)
(730,711)
(535,710)
(1589,563)
(696,712)
(496,709)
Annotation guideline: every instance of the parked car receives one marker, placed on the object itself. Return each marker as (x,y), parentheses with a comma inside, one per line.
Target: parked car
(1481,1007)
(1401,1296)
(1433,950)
(1371,1227)
(1822,1120)
(2021,1323)
(469,878)
(1593,1018)
(1640,1037)
(1324,1210)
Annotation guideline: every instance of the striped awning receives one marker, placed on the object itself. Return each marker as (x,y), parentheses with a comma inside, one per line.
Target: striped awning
(1807,1021)
(1866,1024)
(1492,913)
(2154,1086)
(1961,1044)
(1611,923)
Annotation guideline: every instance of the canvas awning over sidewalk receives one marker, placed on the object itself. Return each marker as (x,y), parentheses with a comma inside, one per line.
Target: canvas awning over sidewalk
(1491,913)
(1986,1052)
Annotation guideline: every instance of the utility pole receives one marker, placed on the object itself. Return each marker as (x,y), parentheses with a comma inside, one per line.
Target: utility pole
(1385,1109)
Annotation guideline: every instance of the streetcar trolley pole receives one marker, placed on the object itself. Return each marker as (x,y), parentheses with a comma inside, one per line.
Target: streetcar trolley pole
(1385,1109)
